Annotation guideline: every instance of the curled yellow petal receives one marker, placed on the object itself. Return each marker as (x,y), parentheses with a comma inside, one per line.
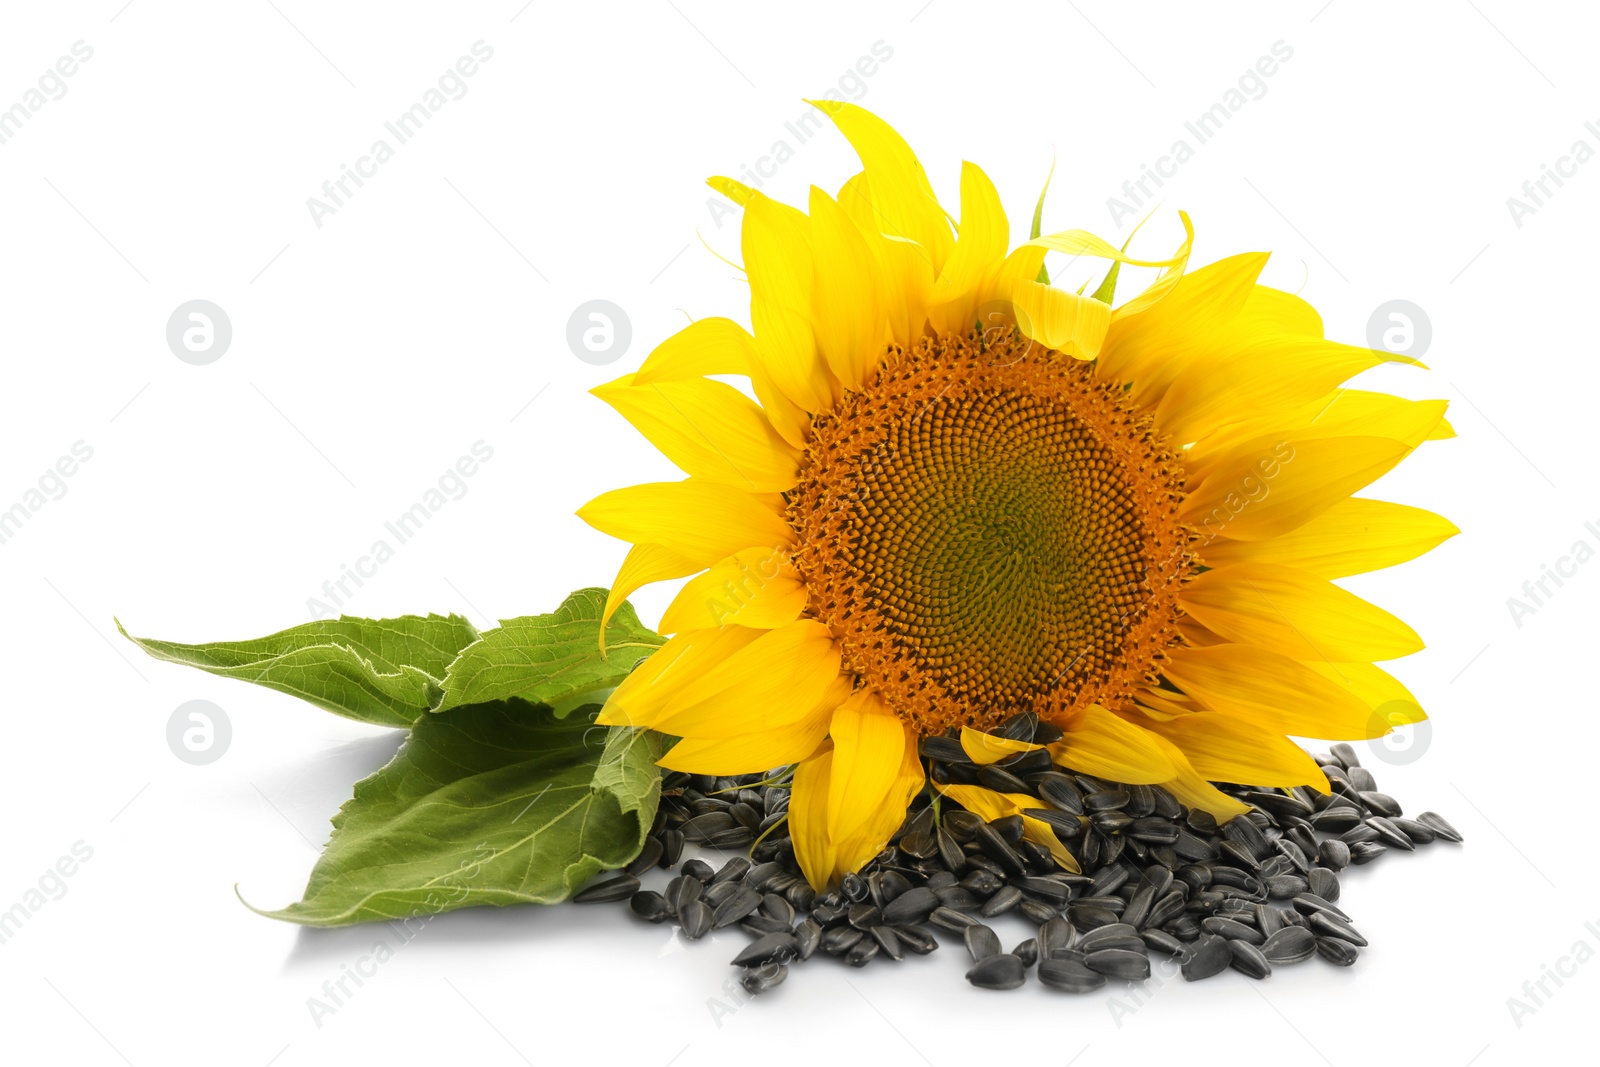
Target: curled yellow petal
(985,748)
(1100,743)
(757,587)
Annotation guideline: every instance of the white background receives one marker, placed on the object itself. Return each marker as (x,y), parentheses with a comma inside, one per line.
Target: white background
(429,313)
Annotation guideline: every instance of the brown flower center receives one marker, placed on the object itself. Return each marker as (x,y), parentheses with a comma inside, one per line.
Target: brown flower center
(989,528)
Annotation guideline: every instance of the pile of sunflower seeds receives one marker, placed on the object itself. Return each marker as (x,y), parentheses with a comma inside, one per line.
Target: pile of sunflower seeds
(1260,891)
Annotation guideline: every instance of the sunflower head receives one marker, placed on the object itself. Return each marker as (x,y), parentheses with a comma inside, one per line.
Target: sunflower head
(961,495)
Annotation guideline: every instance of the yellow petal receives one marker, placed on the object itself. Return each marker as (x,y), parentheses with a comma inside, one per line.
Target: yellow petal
(1101,744)
(769,684)
(1353,536)
(1256,374)
(738,192)
(706,346)
(808,819)
(852,851)
(1381,691)
(1223,748)
(700,520)
(983,748)
(905,268)
(990,805)
(851,326)
(902,198)
(642,697)
(1069,323)
(1167,281)
(1194,791)
(644,563)
(980,249)
(761,751)
(1271,691)
(777,256)
(758,588)
(1269,486)
(1151,348)
(709,429)
(868,751)
(1296,614)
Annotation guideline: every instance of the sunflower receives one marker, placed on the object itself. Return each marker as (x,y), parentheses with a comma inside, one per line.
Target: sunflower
(963,496)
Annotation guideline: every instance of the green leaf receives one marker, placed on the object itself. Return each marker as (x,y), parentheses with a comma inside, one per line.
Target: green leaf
(1038,217)
(550,659)
(488,804)
(380,671)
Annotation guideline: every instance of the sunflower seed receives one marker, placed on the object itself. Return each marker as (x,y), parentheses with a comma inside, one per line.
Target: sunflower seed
(1362,779)
(1334,854)
(1003,971)
(1038,911)
(863,953)
(853,888)
(944,749)
(864,916)
(981,883)
(1324,883)
(1309,903)
(950,851)
(920,844)
(1001,780)
(681,890)
(982,942)
(1292,944)
(1419,833)
(701,828)
(1336,820)
(1002,901)
(767,976)
(1249,960)
(773,946)
(1060,792)
(1069,976)
(1139,905)
(1285,885)
(717,892)
(1358,835)
(996,847)
(1269,920)
(888,942)
(1209,955)
(735,869)
(915,939)
(952,920)
(776,907)
(649,905)
(1055,937)
(961,824)
(1439,826)
(1027,952)
(1231,929)
(912,906)
(648,857)
(1390,834)
(837,940)
(621,887)
(1345,754)
(1162,941)
(738,905)
(807,936)
(1340,953)
(957,897)
(1066,826)
(1127,964)
(1366,852)
(1328,925)
(695,918)
(1166,909)
(1381,803)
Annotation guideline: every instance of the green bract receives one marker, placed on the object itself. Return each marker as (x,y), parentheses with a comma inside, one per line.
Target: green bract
(506,791)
